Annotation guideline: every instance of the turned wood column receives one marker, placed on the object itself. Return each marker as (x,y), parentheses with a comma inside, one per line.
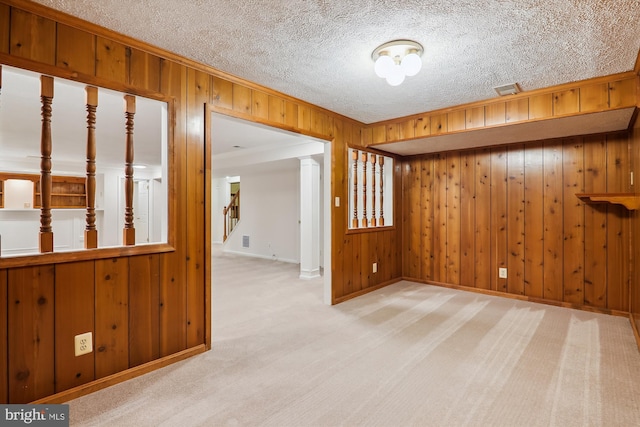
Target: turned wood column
(46,233)
(381,163)
(373,190)
(364,190)
(354,222)
(129,232)
(90,232)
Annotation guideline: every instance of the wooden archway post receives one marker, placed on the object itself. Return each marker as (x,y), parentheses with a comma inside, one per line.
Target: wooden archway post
(90,232)
(129,232)
(46,233)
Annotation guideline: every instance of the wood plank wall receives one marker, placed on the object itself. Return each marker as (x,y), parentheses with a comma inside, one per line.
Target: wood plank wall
(146,308)
(467,214)
(635,225)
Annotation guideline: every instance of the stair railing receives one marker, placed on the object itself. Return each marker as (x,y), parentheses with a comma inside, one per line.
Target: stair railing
(231,215)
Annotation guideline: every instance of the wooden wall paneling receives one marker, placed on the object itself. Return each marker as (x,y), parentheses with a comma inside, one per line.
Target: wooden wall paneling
(422,126)
(566,102)
(483,219)
(111,60)
(617,224)
(319,122)
(553,220)
(173,285)
(534,220)
(438,124)
(406,220)
(32,37)
(304,117)
(396,235)
(197,96)
(440,217)
(622,93)
(392,132)
(414,192)
(366,263)
(76,50)
(339,216)
(144,309)
(242,99)
(453,219)
(276,109)
(516,219)
(406,129)
(594,97)
(475,117)
(5,16)
(355,267)
(495,114)
(144,70)
(595,223)
(74,315)
(4,355)
(111,338)
(426,216)
(31,333)
(290,114)
(378,134)
(456,120)
(573,220)
(498,217)
(517,110)
(467,218)
(222,93)
(541,106)
(260,105)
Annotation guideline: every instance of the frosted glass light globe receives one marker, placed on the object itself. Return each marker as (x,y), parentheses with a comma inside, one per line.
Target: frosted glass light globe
(396,77)
(384,66)
(411,64)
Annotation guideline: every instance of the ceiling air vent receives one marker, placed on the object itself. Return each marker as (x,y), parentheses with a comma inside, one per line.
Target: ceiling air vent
(510,89)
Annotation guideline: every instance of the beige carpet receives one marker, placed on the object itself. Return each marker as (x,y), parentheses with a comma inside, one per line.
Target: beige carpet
(406,355)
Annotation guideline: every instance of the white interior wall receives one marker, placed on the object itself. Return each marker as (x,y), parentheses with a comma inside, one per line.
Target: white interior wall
(269,215)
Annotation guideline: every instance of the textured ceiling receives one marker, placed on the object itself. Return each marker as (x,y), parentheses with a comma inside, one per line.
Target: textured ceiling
(320,50)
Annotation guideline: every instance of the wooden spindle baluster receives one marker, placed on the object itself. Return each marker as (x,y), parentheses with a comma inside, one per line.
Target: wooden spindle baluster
(364,190)
(129,232)
(46,232)
(354,155)
(373,190)
(90,232)
(381,163)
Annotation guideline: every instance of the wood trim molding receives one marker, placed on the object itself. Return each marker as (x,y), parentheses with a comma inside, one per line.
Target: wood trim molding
(634,326)
(83,255)
(364,291)
(105,382)
(637,67)
(254,119)
(520,297)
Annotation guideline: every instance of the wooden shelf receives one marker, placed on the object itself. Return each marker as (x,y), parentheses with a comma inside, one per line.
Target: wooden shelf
(628,200)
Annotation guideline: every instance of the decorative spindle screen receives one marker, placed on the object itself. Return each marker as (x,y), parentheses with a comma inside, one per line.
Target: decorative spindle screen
(371,190)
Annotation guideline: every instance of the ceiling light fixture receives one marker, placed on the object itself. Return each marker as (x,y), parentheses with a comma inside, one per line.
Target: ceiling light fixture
(396,59)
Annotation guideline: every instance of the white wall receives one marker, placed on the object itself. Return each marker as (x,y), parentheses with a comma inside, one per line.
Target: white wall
(220,194)
(269,215)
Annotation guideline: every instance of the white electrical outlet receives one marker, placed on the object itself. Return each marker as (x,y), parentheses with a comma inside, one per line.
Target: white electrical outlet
(502,273)
(375,267)
(337,202)
(83,344)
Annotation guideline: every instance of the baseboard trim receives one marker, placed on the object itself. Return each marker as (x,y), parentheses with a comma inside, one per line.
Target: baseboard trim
(252,255)
(522,297)
(364,291)
(93,386)
(634,326)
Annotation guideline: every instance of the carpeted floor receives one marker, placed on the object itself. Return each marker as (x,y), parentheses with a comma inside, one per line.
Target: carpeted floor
(406,355)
